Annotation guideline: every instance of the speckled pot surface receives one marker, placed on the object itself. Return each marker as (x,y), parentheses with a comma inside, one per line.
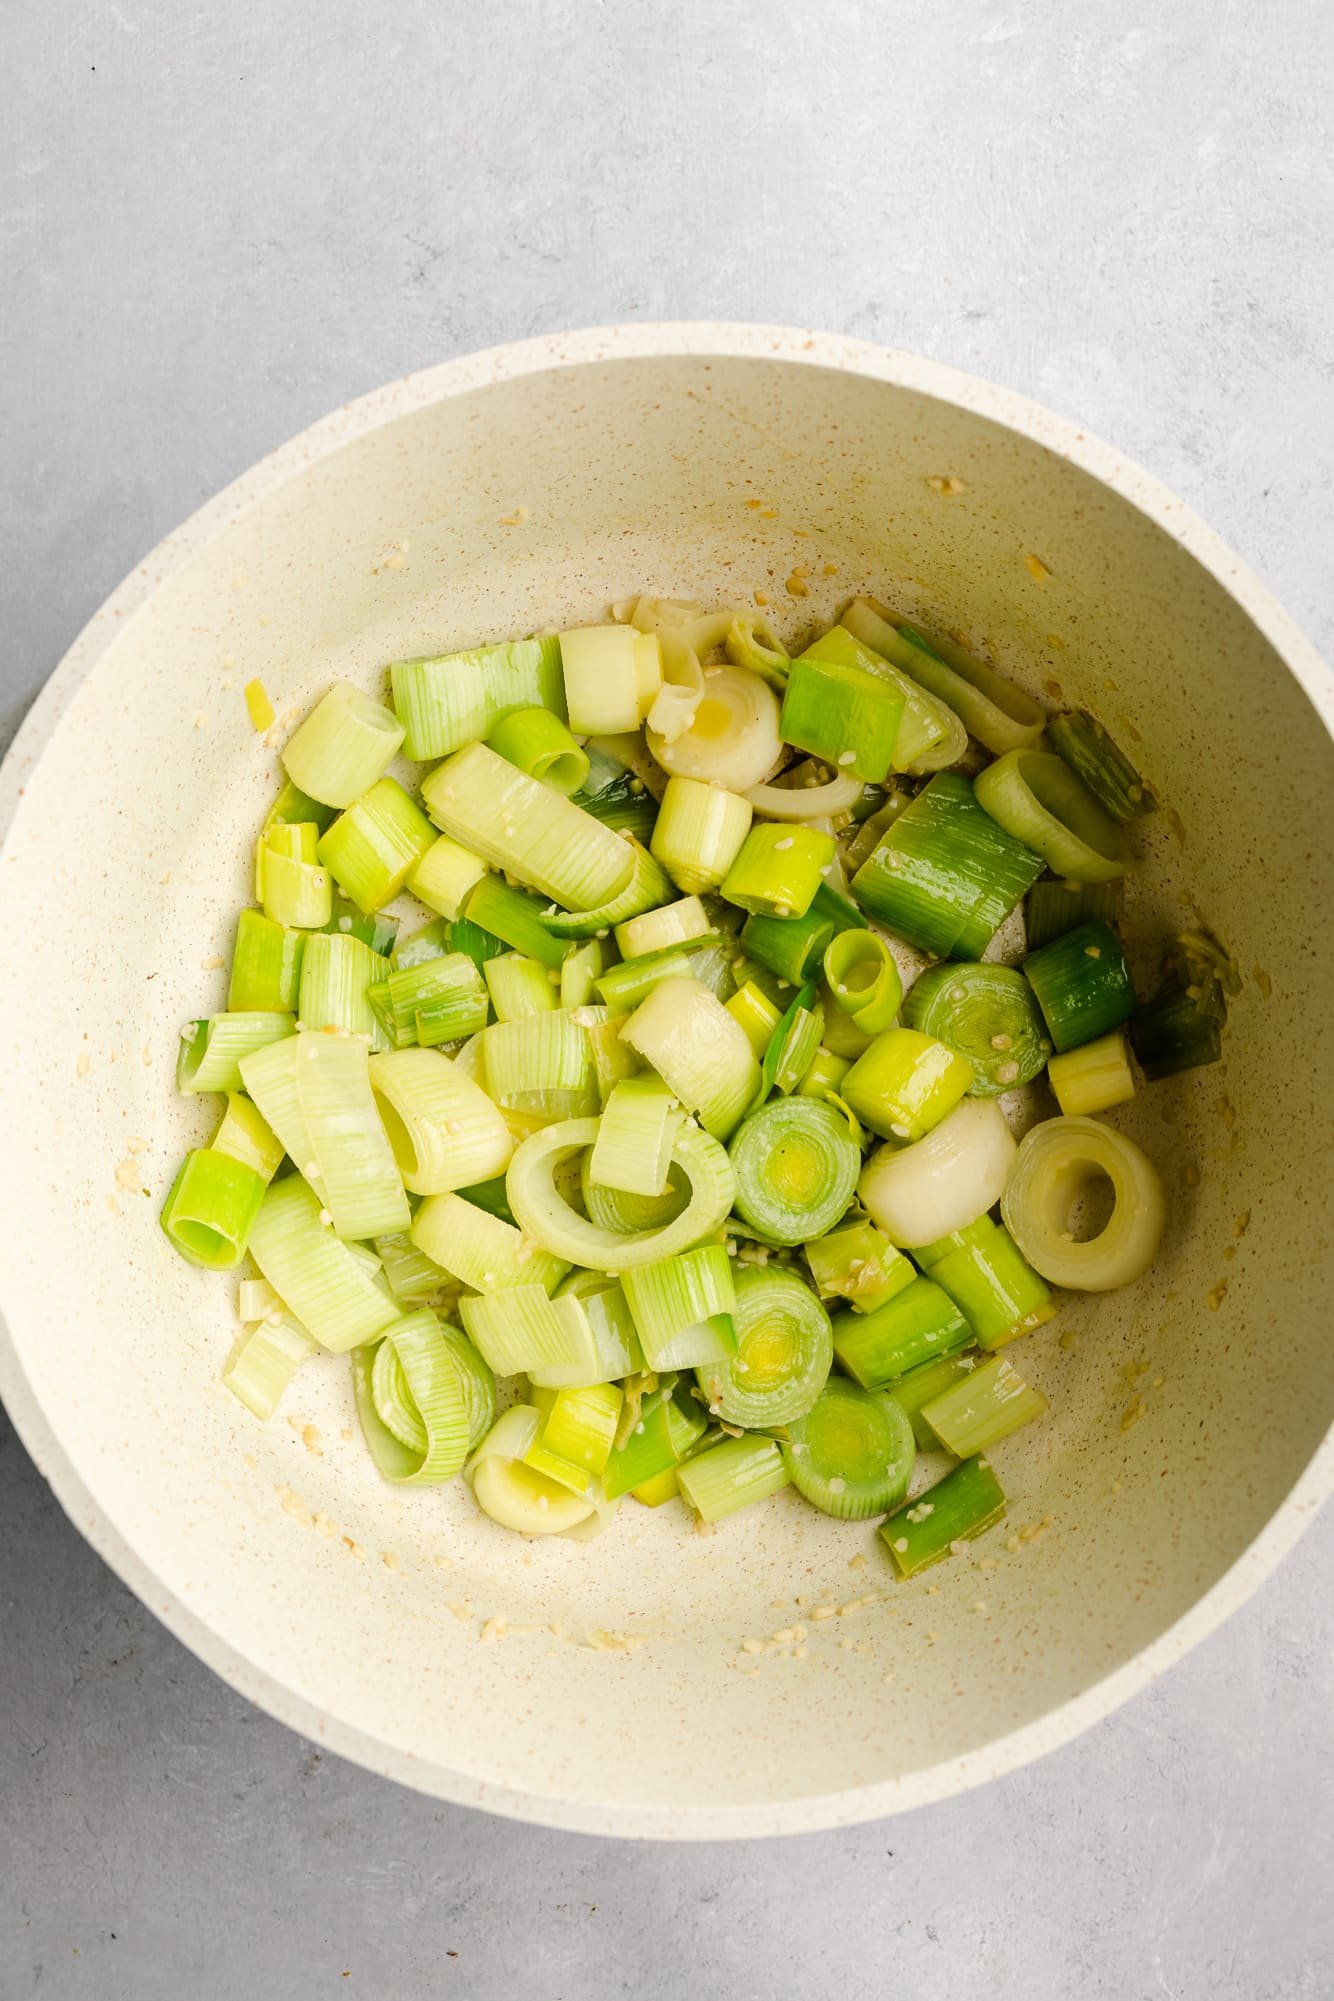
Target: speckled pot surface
(608,1686)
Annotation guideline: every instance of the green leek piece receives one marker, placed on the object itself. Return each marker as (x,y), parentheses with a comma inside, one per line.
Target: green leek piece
(699,832)
(945,876)
(995,1288)
(796,1168)
(211,1050)
(626,1213)
(637,1136)
(344,745)
(264,1361)
(1038,799)
(577,1434)
(538,743)
(579,971)
(335,1294)
(289,881)
(928,1256)
(913,1327)
(864,979)
(844,715)
(412,1277)
(520,1329)
(982,1408)
(608,1346)
(420,1391)
(432,941)
(445,1131)
(453,699)
(292,806)
(1181,1028)
(1102,765)
(752,642)
(647,888)
(665,1432)
(266,966)
(1053,908)
(838,909)
(683,1307)
(475,943)
(437,1000)
(988,1014)
(1094,1077)
(966,1502)
(372,848)
(873,829)
(445,876)
(920,1385)
(392,1389)
(633,980)
(211,1208)
(784,1349)
(852,1454)
(541,1064)
(521,826)
(245,1135)
(1083,985)
(483,1251)
(659,930)
(778,870)
(511,1492)
(906,1083)
(703,1056)
(824,1078)
(732,1475)
(756,1013)
(518,986)
(612,1058)
(930,735)
(513,915)
(792,947)
(1000,715)
(337,974)
(355,1172)
(858,1263)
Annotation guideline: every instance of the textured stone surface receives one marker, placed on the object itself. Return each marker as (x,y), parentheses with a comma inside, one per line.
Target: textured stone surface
(219,223)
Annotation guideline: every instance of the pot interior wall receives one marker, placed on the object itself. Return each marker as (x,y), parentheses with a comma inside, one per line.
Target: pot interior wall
(1182,1410)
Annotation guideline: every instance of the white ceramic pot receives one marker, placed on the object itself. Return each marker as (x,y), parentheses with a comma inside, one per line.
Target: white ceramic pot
(1184,1448)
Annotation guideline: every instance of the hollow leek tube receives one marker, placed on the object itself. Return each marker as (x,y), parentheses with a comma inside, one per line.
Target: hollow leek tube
(792,947)
(337,973)
(1000,715)
(211,1208)
(541,1063)
(752,642)
(858,1264)
(293,888)
(1083,985)
(356,1174)
(343,746)
(266,966)
(512,1493)
(1100,763)
(210,1055)
(778,870)
(988,1014)
(906,1083)
(864,979)
(245,1135)
(612,674)
(983,1407)
(842,1037)
(647,887)
(537,742)
(445,876)
(656,930)
(264,1361)
(851,1455)
(392,1386)
(930,735)
(945,876)
(1053,908)
(1057,1163)
(784,1348)
(445,1131)
(664,1433)
(732,737)
(756,1013)
(968,1501)
(372,848)
(796,1167)
(844,715)
(915,1390)
(484,1251)
(807,801)
(548,1219)
(421,1394)
(327,1284)
(699,832)
(518,986)
(1094,1077)
(684,1033)
(627,984)
(682,1307)
(913,1327)
(732,1475)
(1038,799)
(516,917)
(637,1135)
(920,1192)
(994,1287)
(520,825)
(451,700)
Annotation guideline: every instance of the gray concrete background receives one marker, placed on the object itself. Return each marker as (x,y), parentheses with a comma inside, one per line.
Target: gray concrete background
(218,222)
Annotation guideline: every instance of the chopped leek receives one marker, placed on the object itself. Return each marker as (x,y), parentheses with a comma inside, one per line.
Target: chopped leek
(327,1284)
(993,1286)
(994,710)
(612,674)
(337,973)
(858,1263)
(1103,766)
(732,737)
(1094,1077)
(637,1135)
(513,915)
(864,979)
(784,1348)
(266,966)
(520,825)
(1053,908)
(915,1390)
(682,1307)
(484,1251)
(945,876)
(518,986)
(913,1327)
(211,1208)
(699,832)
(792,947)
(796,1167)
(920,1192)
(702,1054)
(778,870)
(906,1083)
(732,1475)
(446,875)
(647,887)
(1039,800)
(657,930)
(851,1455)
(211,1052)
(983,1407)
(445,1132)
(537,742)
(988,1014)
(514,1494)
(264,1361)
(343,746)
(372,848)
(843,715)
(1083,985)
(1059,1162)
(355,1172)
(412,1403)
(968,1500)
(448,701)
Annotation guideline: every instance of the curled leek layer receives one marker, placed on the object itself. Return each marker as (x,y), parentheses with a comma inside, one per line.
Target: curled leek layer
(1036,797)
(943,1182)
(516,1495)
(414,1407)
(547,1218)
(1059,1163)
